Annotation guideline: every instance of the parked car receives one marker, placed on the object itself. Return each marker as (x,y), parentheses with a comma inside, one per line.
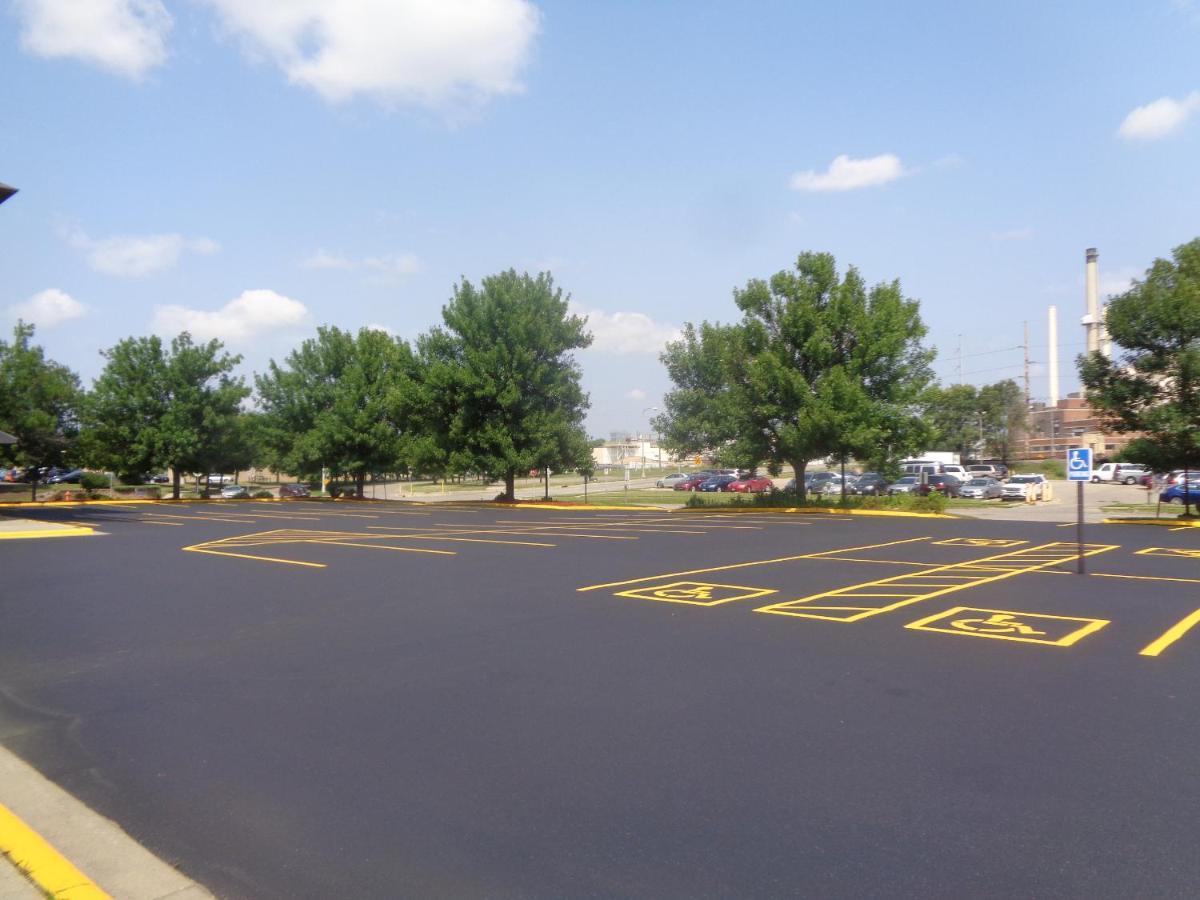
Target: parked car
(983,470)
(943,484)
(981,489)
(294,490)
(669,481)
(756,484)
(1174,493)
(71,476)
(906,485)
(870,484)
(1022,487)
(959,472)
(692,482)
(160,478)
(234,492)
(716,483)
(1118,473)
(219,479)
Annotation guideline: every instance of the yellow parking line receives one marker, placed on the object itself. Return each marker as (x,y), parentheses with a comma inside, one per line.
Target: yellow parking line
(762,562)
(152,522)
(48,868)
(397,549)
(1144,577)
(1171,635)
(289,562)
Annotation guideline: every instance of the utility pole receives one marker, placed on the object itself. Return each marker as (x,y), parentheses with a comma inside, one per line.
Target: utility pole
(1027,391)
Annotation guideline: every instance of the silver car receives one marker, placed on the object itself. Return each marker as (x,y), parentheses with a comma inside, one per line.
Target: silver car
(981,489)
(669,481)
(905,485)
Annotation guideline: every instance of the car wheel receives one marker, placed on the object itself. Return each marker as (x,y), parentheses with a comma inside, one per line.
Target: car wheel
(1177,501)
(1095,479)
(1130,480)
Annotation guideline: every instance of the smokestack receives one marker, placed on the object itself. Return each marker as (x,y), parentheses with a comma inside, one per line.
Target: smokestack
(1053,355)
(1091,321)
(1106,344)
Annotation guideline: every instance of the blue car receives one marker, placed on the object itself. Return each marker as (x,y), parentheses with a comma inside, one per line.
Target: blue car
(717,483)
(1174,494)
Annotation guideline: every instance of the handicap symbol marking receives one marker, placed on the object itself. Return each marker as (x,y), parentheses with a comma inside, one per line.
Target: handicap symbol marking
(998,623)
(1184,552)
(696,593)
(980,542)
(1010,625)
(1079,464)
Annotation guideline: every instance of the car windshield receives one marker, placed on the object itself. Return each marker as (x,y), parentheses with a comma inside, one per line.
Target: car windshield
(907,479)
(1022,479)
(977,482)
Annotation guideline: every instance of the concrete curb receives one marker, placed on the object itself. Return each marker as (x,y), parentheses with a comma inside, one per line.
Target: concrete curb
(57,841)
(20,529)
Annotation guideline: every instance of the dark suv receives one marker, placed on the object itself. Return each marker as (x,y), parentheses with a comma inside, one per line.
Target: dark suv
(293,490)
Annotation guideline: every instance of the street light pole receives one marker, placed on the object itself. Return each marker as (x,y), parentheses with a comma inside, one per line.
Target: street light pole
(644,411)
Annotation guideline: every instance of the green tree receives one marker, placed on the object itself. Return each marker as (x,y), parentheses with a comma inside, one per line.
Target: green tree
(38,402)
(1005,417)
(155,406)
(1153,388)
(341,401)
(818,365)
(501,389)
(954,416)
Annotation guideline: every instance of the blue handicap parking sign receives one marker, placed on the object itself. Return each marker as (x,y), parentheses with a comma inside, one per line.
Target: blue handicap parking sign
(1079,464)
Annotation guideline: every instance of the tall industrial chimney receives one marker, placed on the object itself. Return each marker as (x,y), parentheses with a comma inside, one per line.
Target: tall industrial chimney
(1091,321)
(1053,355)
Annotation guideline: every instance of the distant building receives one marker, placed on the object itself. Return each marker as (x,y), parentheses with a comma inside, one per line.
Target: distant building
(1070,423)
(631,453)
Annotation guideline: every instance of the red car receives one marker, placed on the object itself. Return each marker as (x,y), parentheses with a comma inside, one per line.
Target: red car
(752,485)
(692,483)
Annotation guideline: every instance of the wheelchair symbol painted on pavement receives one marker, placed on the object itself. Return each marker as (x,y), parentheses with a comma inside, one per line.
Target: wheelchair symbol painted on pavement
(1010,625)
(696,593)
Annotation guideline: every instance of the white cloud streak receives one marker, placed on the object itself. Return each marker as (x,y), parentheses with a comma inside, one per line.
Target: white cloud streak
(430,54)
(1159,119)
(625,333)
(49,308)
(127,37)
(136,256)
(846,174)
(385,268)
(250,313)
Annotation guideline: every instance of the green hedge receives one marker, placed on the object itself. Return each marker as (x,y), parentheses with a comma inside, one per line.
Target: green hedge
(934,502)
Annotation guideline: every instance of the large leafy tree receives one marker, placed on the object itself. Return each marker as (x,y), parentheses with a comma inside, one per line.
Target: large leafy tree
(953,413)
(341,401)
(502,389)
(1153,388)
(156,406)
(38,402)
(1005,416)
(819,365)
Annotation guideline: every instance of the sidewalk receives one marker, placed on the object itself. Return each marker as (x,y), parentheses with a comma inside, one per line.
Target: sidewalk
(1062,507)
(13,528)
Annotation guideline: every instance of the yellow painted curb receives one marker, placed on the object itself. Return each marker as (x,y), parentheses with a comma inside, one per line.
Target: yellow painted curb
(48,868)
(1169,523)
(819,510)
(66,531)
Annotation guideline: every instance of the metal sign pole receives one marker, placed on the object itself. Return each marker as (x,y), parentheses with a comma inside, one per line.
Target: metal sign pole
(1079,526)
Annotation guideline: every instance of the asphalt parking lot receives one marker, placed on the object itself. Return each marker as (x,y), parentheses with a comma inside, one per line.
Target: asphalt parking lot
(313,700)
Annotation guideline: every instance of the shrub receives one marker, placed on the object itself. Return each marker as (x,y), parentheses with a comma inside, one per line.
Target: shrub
(263,495)
(93,481)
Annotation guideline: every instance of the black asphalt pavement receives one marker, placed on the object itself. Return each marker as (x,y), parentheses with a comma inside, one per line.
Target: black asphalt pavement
(333,700)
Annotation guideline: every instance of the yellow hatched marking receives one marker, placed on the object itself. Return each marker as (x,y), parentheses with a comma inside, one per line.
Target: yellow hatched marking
(823,554)
(1185,552)
(918,586)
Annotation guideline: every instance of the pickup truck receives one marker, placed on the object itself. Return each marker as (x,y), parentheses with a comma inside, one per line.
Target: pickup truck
(1118,473)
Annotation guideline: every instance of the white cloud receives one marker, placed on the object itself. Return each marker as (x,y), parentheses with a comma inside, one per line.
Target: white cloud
(49,308)
(252,312)
(1160,118)
(1013,234)
(625,333)
(127,37)
(636,394)
(846,174)
(136,256)
(431,54)
(383,269)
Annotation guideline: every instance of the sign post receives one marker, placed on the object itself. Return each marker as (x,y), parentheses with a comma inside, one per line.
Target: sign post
(1079,470)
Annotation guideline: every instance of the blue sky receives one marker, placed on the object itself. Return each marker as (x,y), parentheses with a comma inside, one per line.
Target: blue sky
(250,169)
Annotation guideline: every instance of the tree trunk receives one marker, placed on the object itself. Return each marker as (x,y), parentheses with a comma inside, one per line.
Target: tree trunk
(175,479)
(546,474)
(360,480)
(33,485)
(510,488)
(798,468)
